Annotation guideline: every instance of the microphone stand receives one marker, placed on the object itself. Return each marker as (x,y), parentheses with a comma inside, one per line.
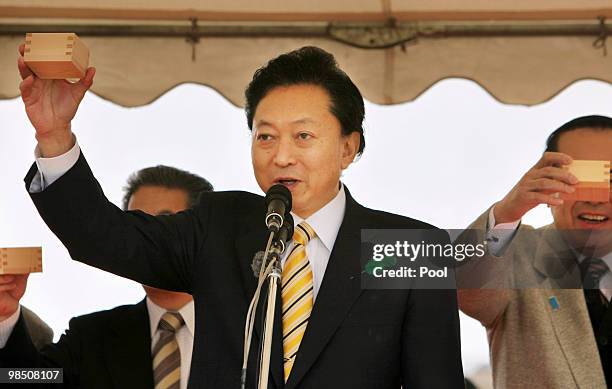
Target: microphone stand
(250,318)
(270,270)
(264,367)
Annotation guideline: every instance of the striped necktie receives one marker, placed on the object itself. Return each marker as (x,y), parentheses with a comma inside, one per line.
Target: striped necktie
(166,353)
(297,295)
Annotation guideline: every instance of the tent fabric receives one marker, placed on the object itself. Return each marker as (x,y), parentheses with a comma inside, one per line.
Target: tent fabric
(322,10)
(135,70)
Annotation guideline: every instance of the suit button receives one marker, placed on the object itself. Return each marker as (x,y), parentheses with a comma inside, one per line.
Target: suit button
(603,340)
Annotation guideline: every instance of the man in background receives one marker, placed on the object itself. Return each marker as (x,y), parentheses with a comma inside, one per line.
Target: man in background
(547,306)
(145,345)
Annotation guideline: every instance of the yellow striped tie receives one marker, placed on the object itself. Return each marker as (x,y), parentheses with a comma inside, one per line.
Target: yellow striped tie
(297,295)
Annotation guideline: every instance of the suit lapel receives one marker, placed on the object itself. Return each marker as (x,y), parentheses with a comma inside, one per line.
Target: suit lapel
(128,350)
(569,319)
(340,288)
(252,239)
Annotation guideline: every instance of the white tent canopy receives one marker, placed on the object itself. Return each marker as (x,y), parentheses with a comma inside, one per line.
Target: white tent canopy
(522,52)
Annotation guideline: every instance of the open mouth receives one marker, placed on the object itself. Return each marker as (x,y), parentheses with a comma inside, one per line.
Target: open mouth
(593,218)
(288,182)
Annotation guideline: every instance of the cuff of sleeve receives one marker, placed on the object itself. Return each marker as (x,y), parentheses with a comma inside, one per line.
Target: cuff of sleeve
(6,327)
(51,169)
(500,235)
(501,226)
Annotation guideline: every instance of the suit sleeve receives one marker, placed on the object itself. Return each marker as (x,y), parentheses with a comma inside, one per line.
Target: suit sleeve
(156,251)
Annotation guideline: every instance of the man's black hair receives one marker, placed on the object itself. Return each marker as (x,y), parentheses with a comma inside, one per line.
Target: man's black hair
(310,66)
(592,122)
(167,177)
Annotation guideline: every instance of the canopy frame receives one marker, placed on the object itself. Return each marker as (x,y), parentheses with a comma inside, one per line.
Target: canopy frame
(365,35)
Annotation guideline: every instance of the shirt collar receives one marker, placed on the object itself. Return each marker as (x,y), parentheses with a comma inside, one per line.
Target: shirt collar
(327,220)
(156,312)
(606,258)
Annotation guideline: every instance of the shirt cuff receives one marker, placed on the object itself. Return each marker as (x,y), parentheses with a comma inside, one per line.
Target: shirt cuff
(51,169)
(6,327)
(499,235)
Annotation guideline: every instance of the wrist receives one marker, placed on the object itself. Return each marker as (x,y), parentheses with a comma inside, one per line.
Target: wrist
(55,143)
(502,216)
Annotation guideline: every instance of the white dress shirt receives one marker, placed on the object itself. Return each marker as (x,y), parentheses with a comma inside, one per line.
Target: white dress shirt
(184,336)
(6,327)
(50,169)
(499,235)
(325,223)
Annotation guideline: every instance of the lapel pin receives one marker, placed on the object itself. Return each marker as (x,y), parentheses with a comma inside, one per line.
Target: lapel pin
(554,303)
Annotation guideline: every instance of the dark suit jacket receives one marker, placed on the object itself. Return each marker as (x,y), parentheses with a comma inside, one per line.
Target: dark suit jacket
(107,349)
(355,338)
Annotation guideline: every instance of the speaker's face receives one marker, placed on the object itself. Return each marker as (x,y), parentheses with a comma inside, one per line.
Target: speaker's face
(298,142)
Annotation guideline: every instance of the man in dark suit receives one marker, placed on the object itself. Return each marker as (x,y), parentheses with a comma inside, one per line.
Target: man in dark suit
(118,348)
(306,119)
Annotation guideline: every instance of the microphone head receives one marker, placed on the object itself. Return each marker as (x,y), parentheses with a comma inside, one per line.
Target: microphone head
(278,204)
(279,192)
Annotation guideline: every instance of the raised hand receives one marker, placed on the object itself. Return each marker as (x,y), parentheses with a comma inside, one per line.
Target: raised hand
(537,186)
(51,106)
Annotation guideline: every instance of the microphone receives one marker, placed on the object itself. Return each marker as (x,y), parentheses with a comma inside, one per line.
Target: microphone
(285,234)
(278,203)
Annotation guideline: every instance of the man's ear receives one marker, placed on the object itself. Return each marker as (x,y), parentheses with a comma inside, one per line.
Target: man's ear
(350,147)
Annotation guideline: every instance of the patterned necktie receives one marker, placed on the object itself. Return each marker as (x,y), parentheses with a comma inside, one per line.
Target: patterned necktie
(166,353)
(592,270)
(297,295)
